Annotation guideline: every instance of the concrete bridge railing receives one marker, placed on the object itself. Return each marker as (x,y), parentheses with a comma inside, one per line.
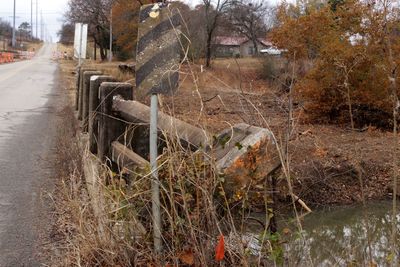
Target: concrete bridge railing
(245,155)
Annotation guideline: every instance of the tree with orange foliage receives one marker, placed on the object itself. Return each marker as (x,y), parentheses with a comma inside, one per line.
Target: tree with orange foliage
(344,42)
(125,26)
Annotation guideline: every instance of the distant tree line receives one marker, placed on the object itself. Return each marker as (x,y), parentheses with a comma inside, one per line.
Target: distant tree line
(22,33)
(5,29)
(250,18)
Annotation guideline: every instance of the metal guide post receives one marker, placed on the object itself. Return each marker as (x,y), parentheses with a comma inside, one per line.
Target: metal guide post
(80,44)
(155,186)
(157,56)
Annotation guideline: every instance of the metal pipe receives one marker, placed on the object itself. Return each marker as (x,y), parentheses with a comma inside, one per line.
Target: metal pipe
(155,185)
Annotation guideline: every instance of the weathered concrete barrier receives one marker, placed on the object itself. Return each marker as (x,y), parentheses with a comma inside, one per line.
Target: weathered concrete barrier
(126,158)
(95,82)
(245,156)
(85,97)
(135,111)
(79,84)
(110,127)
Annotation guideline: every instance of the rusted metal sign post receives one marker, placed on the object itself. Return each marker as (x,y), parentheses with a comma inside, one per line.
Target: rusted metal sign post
(157,65)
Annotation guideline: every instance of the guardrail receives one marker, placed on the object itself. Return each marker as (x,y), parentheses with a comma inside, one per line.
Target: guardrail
(245,155)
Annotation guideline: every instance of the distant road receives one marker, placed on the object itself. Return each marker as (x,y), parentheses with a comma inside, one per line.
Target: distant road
(27,132)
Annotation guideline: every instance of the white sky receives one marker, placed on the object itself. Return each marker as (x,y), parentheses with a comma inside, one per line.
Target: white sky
(52,14)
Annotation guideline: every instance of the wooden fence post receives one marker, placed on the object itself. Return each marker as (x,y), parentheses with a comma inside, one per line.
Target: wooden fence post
(85,97)
(110,127)
(95,83)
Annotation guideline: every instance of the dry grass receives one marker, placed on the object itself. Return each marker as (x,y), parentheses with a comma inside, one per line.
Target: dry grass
(82,238)
(195,209)
(33,46)
(246,64)
(108,68)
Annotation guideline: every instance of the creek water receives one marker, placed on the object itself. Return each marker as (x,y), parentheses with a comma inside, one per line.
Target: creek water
(341,236)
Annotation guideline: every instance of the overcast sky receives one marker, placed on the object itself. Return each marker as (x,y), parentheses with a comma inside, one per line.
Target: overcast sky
(52,13)
(52,10)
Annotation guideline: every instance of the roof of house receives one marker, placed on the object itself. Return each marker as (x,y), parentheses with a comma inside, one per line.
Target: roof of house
(264,41)
(230,40)
(237,41)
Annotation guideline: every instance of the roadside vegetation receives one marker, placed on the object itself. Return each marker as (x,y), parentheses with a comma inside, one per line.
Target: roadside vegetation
(331,102)
(25,41)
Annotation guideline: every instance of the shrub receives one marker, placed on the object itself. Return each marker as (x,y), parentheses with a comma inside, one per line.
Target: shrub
(270,70)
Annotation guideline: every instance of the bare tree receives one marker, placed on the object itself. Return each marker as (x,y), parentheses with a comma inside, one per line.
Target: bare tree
(96,14)
(213,11)
(5,28)
(66,33)
(248,18)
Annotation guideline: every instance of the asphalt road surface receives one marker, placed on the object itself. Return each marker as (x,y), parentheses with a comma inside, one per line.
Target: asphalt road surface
(27,134)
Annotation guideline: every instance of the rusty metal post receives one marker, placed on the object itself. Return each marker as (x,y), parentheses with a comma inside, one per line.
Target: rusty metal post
(110,128)
(95,82)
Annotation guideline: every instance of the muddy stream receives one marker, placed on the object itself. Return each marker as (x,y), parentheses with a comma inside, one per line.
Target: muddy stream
(340,236)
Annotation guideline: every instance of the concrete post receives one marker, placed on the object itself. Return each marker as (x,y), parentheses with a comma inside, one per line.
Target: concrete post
(85,97)
(110,128)
(95,82)
(78,99)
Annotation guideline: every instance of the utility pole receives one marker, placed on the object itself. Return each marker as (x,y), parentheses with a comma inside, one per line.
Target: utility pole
(41,25)
(31,19)
(13,31)
(111,36)
(37,15)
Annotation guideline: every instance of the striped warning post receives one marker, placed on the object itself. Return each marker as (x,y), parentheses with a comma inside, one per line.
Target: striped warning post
(158,50)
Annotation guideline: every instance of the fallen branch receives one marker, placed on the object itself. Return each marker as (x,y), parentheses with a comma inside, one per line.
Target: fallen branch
(301,202)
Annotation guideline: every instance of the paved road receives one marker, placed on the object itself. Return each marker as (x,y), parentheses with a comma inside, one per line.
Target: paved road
(27,132)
